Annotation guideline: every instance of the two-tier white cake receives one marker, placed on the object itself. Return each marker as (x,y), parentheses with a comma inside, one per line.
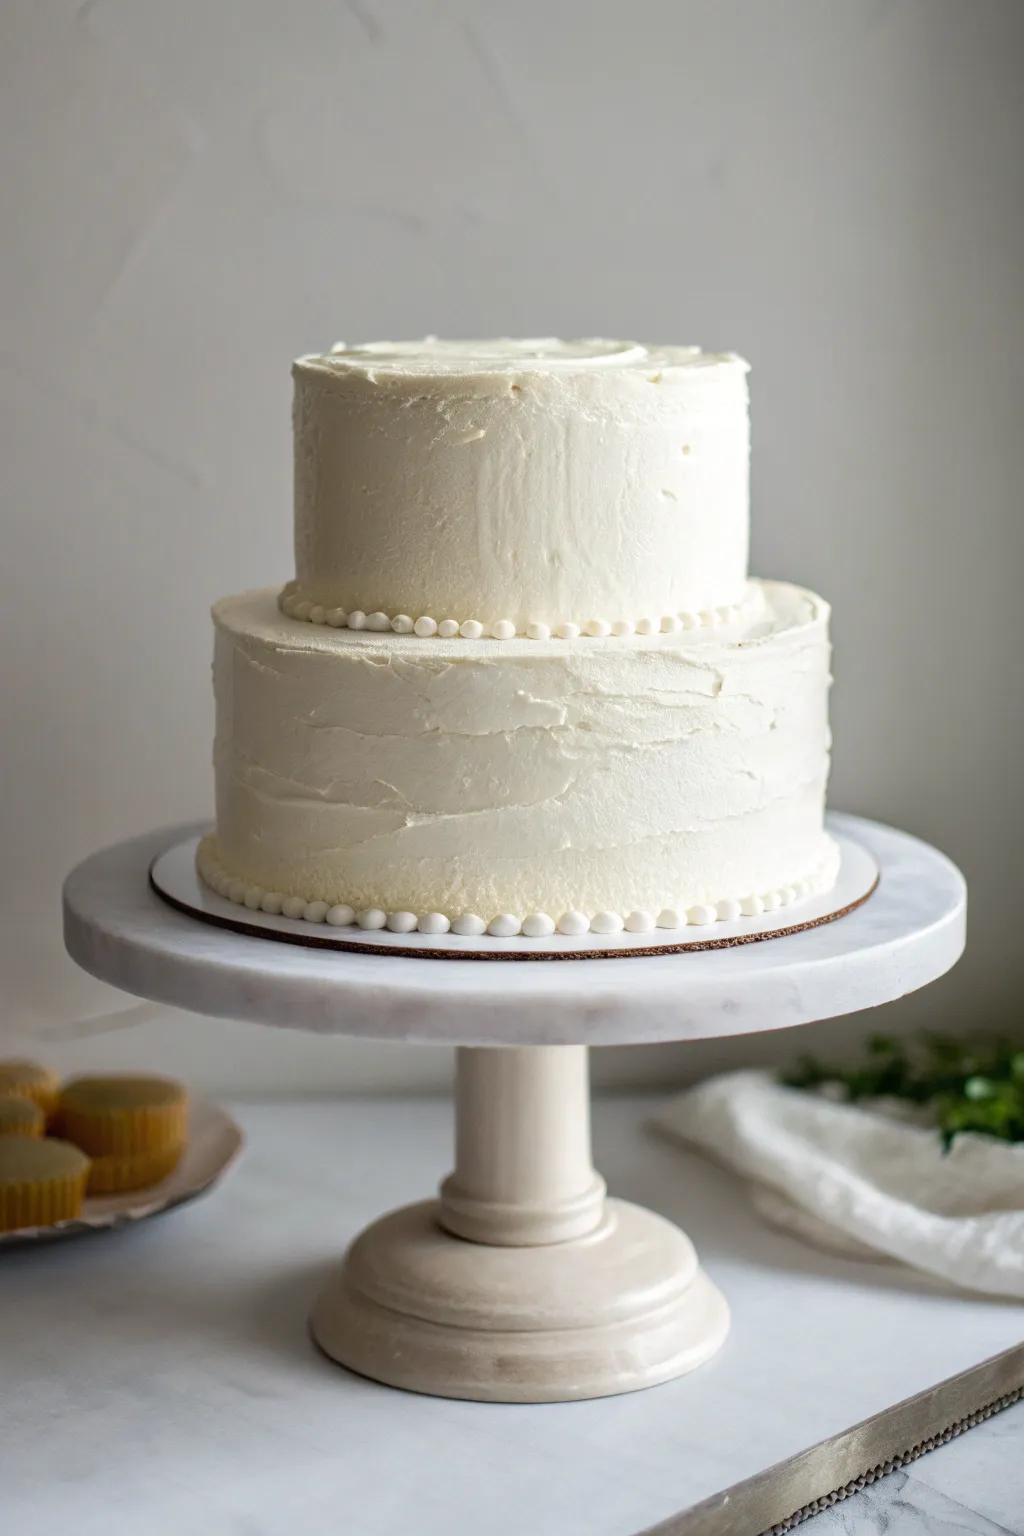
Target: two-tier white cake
(521,681)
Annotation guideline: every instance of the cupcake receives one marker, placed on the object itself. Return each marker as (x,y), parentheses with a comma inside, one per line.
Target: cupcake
(29,1080)
(20,1117)
(132,1128)
(41,1182)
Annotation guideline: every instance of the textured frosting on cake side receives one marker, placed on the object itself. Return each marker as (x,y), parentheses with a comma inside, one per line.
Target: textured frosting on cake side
(521,482)
(521,776)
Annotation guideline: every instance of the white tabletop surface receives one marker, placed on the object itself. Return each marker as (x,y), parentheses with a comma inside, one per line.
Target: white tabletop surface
(161,1380)
(909,932)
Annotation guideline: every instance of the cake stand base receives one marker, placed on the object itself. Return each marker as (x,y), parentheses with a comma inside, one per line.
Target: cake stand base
(522,1283)
(625,1307)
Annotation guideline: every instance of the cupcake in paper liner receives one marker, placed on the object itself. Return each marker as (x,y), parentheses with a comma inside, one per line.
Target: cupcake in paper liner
(41,1182)
(29,1080)
(124,1117)
(20,1116)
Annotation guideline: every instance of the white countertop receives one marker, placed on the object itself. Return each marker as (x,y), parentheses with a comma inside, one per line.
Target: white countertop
(161,1379)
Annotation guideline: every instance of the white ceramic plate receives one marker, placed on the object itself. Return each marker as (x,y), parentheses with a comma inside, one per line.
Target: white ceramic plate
(173,876)
(214,1142)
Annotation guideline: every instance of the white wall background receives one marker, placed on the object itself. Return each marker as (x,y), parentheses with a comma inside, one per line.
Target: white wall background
(194,193)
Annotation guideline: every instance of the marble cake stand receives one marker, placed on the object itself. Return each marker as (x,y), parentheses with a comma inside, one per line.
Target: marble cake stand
(523,1282)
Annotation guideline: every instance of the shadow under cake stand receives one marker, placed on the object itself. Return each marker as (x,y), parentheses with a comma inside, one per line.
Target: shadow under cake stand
(523,1282)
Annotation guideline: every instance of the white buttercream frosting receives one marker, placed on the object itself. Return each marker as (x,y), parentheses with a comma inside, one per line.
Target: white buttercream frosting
(655,778)
(541,483)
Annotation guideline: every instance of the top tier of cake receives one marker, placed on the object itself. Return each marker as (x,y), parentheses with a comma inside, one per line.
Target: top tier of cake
(521,483)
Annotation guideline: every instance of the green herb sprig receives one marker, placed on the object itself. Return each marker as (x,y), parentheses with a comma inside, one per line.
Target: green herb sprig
(965,1085)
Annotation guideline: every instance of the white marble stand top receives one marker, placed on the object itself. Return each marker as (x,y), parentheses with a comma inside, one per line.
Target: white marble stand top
(160,1380)
(906,934)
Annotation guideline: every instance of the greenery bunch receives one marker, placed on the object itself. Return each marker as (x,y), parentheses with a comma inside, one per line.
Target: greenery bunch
(960,1085)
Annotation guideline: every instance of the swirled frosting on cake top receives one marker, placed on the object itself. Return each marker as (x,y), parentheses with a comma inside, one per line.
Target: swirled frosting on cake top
(434,357)
(530,481)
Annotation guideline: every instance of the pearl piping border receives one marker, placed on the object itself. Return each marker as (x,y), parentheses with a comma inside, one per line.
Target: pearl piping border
(294,606)
(506,925)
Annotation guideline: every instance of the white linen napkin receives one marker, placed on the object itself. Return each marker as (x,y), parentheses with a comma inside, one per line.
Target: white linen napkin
(864,1182)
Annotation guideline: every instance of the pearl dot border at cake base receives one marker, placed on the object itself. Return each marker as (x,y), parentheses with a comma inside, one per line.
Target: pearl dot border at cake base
(294,606)
(504,925)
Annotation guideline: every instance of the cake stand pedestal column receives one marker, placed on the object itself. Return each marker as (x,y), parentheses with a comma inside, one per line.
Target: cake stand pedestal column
(523,1171)
(522,1283)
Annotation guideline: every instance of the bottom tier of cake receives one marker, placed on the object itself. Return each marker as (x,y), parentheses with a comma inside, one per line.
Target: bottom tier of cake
(660,779)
